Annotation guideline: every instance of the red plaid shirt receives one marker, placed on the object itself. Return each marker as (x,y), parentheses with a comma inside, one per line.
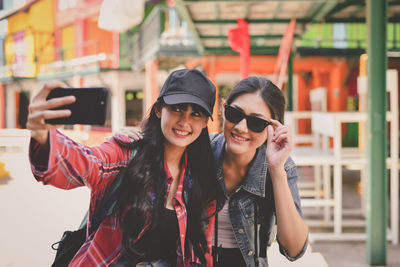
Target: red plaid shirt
(71,165)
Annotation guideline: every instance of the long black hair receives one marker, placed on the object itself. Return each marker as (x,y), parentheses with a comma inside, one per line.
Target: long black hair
(269,92)
(146,176)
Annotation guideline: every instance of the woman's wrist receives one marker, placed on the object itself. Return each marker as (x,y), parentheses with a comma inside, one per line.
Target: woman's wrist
(276,169)
(42,136)
(277,173)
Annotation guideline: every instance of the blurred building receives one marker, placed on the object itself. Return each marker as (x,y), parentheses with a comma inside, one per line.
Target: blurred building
(47,40)
(60,39)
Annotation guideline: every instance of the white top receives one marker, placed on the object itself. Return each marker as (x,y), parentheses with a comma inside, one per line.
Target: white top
(226,238)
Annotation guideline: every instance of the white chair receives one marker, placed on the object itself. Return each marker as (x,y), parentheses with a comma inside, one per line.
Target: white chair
(311,187)
(326,125)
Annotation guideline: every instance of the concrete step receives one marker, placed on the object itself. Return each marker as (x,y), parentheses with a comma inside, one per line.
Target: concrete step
(276,259)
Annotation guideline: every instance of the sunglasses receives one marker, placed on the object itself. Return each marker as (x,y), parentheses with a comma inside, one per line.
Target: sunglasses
(254,124)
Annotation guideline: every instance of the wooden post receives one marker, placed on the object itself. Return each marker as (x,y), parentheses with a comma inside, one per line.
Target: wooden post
(151,89)
(2,107)
(209,67)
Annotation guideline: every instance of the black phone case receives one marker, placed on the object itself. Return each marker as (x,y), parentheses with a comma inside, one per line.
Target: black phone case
(89,108)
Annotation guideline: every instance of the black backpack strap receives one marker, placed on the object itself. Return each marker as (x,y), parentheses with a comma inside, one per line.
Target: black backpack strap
(256,211)
(84,220)
(109,199)
(72,241)
(215,248)
(266,207)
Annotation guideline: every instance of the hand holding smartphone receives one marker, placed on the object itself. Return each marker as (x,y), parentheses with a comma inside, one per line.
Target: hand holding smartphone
(90,106)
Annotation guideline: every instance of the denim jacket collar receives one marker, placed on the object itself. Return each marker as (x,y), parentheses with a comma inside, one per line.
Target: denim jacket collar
(255,178)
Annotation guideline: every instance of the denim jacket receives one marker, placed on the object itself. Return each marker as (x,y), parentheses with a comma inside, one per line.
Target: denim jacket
(241,203)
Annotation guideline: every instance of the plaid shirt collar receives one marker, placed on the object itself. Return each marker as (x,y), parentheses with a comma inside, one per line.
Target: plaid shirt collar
(178,204)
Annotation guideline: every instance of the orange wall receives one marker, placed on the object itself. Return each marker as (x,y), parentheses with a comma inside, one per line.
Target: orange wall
(88,39)
(326,72)
(96,35)
(98,40)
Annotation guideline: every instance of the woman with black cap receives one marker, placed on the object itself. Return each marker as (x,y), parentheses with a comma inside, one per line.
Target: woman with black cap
(258,177)
(164,206)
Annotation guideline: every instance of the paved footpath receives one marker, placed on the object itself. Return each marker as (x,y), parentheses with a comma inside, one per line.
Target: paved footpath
(309,259)
(33,216)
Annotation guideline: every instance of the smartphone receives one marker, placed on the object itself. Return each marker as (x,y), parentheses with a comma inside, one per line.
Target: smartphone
(90,106)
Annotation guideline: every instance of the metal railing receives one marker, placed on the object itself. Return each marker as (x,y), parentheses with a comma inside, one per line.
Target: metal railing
(157,36)
(84,59)
(342,43)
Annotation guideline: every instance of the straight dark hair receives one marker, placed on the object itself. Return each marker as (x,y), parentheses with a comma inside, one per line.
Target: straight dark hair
(269,92)
(146,178)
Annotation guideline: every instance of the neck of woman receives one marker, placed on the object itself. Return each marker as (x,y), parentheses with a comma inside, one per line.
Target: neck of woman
(172,156)
(235,168)
(238,161)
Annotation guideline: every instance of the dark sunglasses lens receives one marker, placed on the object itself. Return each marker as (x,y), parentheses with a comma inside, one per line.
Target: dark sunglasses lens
(233,115)
(256,124)
(253,123)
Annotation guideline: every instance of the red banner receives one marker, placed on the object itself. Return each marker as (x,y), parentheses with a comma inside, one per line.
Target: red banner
(239,41)
(283,54)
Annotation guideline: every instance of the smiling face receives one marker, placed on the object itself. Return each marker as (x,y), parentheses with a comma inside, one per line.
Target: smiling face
(239,139)
(181,124)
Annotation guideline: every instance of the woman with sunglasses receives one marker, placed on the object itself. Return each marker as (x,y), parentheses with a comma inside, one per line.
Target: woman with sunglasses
(258,177)
(165,204)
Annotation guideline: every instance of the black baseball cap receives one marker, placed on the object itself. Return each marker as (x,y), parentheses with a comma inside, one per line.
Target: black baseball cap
(189,86)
